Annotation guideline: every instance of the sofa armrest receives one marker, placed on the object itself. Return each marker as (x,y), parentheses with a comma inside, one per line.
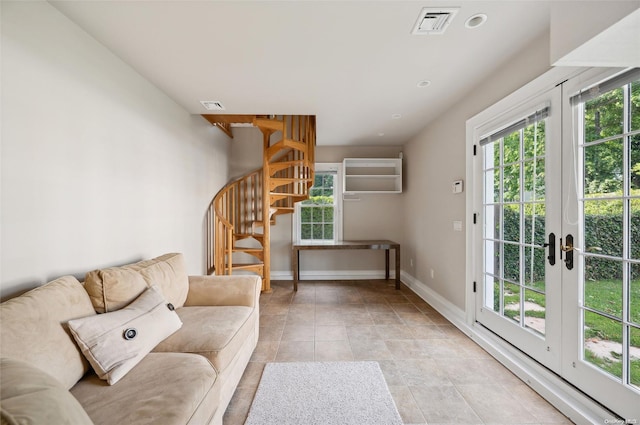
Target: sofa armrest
(224,291)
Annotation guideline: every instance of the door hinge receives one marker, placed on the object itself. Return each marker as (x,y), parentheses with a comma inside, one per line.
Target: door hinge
(474,286)
(475,150)
(475,218)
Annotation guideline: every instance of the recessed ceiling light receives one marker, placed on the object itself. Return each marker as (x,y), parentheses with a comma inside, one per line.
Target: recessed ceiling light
(424,83)
(380,134)
(475,21)
(396,116)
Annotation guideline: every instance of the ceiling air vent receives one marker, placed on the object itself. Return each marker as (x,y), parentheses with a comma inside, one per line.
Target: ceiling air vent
(434,20)
(212,105)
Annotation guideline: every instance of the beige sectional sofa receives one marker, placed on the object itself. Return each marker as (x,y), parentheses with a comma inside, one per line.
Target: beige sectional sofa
(78,353)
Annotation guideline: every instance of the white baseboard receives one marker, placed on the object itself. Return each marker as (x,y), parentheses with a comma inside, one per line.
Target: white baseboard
(564,397)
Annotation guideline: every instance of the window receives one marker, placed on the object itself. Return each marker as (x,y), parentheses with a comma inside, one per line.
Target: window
(319,219)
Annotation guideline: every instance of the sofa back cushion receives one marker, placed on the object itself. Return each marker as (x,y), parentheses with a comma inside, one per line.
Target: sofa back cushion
(113,288)
(34,328)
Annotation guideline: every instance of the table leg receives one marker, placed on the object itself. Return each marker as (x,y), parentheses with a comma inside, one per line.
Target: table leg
(295,266)
(386,264)
(398,267)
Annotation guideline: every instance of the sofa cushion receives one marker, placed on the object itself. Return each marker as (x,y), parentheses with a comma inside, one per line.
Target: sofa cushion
(30,396)
(217,333)
(115,342)
(112,288)
(34,328)
(167,388)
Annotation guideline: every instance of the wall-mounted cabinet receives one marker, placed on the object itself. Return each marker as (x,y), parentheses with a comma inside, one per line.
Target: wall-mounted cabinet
(372,175)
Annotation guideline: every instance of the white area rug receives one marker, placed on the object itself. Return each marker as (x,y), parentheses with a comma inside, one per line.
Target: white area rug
(323,393)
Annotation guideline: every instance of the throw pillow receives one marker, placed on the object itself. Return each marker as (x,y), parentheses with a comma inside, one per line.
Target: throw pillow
(115,342)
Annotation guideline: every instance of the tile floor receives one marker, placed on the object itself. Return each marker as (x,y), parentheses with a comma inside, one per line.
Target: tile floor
(435,373)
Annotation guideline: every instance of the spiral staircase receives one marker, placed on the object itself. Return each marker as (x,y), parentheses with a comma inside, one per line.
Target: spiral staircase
(240,217)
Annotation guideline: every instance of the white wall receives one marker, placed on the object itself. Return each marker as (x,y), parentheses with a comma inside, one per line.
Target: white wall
(595,33)
(98,166)
(433,161)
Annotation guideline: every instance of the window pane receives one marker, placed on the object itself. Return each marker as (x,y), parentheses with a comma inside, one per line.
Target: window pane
(511,183)
(603,116)
(634,168)
(328,231)
(492,257)
(512,262)
(603,343)
(511,218)
(512,301)
(534,140)
(305,231)
(328,214)
(603,169)
(634,294)
(603,232)
(305,214)
(634,349)
(492,185)
(511,148)
(603,285)
(492,221)
(634,223)
(534,264)
(492,301)
(317,231)
(534,223)
(635,105)
(534,311)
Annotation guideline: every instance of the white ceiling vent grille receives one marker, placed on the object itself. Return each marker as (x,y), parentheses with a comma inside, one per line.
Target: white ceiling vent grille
(212,105)
(434,20)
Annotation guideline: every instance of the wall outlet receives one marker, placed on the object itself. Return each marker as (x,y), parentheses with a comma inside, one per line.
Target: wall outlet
(432,274)
(411,262)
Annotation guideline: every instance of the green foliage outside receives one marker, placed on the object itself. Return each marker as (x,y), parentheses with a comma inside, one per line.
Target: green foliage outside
(604,170)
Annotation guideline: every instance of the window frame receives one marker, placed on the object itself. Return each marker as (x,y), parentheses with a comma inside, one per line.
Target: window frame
(321,168)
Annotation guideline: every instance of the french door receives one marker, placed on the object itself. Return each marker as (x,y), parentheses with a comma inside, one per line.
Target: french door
(557,254)
(519,157)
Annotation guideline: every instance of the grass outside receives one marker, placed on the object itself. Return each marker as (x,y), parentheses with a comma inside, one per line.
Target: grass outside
(604,296)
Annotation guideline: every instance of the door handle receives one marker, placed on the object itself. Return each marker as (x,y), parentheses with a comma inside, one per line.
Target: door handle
(552,249)
(568,251)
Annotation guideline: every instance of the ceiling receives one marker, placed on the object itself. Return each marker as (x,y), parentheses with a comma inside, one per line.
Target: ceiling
(353,64)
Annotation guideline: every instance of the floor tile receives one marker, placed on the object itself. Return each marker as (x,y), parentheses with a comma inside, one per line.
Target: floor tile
(435,373)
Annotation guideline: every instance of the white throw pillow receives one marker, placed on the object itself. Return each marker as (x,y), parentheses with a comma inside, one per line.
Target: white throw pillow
(115,342)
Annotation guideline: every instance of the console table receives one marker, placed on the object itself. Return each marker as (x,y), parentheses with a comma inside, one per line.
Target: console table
(369,244)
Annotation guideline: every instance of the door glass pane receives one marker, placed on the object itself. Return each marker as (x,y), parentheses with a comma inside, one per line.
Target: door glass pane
(634,354)
(512,301)
(635,106)
(534,262)
(492,301)
(534,310)
(511,183)
(603,285)
(511,262)
(511,146)
(603,169)
(603,116)
(511,219)
(634,158)
(603,343)
(603,227)
(534,223)
(534,140)
(492,185)
(634,294)
(534,180)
